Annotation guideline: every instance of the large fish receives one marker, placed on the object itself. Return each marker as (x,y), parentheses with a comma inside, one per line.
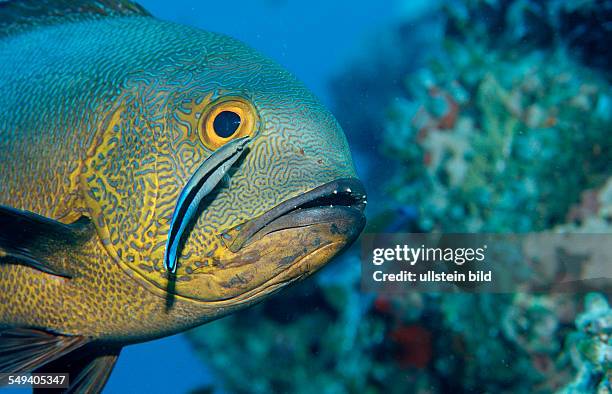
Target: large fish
(153,177)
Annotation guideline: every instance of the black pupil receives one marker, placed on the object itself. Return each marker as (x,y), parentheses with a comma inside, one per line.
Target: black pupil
(226,123)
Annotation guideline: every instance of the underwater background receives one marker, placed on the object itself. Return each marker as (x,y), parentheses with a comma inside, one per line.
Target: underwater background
(462,116)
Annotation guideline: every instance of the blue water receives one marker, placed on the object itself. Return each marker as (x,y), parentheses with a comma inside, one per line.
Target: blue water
(167,365)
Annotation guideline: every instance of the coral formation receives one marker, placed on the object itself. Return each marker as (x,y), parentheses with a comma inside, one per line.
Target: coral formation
(495,141)
(590,349)
(529,132)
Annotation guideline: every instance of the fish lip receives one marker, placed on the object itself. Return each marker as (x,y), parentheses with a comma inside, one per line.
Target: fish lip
(340,197)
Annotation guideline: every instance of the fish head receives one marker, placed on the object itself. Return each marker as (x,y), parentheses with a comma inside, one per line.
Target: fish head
(288,205)
(289,202)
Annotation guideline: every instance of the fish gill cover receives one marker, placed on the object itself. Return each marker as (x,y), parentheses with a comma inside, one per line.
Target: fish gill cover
(503,125)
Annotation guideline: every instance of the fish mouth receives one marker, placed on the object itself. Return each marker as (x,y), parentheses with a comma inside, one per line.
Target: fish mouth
(284,244)
(341,201)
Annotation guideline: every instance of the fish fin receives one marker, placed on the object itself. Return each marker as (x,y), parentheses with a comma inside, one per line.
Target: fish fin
(34,240)
(23,350)
(89,368)
(21,15)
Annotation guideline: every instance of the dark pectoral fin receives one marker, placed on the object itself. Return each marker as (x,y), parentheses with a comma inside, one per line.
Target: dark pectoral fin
(24,350)
(89,368)
(37,241)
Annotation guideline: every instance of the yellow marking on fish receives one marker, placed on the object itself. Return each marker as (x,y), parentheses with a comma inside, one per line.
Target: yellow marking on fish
(103,142)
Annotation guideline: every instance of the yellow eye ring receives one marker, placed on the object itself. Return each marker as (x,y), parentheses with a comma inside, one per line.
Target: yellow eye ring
(225,119)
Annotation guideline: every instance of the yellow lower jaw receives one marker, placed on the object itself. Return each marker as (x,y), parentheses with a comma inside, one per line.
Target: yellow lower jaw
(268,263)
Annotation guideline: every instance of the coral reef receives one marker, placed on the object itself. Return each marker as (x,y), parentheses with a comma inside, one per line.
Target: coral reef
(590,349)
(502,142)
(580,27)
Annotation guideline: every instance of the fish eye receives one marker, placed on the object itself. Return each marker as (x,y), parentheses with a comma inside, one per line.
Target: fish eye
(225,119)
(226,123)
